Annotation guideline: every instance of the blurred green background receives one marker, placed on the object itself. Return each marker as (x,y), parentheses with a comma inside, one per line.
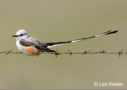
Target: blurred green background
(62,20)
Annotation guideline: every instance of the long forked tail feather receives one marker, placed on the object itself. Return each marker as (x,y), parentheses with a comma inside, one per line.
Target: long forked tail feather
(50,45)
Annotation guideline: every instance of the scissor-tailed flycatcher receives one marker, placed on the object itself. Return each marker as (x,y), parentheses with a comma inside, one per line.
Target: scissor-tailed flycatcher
(32,46)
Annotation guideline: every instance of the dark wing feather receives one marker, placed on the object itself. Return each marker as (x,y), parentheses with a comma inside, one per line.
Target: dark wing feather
(54,43)
(27,43)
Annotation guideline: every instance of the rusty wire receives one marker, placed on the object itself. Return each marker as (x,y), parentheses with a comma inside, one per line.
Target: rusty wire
(70,53)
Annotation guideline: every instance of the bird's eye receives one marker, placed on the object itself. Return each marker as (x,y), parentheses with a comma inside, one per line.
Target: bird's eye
(21,35)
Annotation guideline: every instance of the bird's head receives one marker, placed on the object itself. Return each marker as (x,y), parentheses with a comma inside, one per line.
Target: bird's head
(21,34)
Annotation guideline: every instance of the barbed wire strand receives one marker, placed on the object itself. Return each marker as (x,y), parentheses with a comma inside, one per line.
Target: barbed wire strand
(69,52)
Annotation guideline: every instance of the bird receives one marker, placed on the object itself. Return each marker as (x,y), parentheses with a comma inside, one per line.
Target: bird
(33,47)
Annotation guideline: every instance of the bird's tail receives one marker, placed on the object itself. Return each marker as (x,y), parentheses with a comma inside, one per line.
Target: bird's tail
(50,45)
(48,50)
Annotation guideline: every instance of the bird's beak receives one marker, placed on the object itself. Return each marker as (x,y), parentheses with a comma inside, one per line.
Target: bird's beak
(14,35)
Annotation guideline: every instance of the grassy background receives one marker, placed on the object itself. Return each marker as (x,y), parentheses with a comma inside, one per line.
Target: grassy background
(61,20)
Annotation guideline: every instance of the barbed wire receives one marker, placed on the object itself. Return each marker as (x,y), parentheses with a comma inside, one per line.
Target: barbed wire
(69,52)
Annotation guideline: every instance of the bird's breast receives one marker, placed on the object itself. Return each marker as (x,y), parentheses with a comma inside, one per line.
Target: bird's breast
(29,50)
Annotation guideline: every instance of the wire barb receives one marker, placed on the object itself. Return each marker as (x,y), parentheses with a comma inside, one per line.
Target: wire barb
(69,52)
(9,52)
(56,53)
(120,53)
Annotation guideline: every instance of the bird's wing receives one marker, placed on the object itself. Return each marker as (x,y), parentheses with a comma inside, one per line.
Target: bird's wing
(31,42)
